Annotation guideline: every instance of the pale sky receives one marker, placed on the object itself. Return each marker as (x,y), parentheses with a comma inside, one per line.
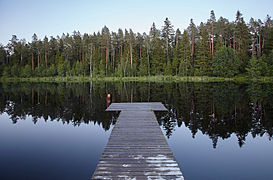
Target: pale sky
(54,17)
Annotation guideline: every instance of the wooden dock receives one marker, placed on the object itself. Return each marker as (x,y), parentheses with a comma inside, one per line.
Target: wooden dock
(137,148)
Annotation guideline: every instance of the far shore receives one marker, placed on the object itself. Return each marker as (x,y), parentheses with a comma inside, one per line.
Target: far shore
(139,79)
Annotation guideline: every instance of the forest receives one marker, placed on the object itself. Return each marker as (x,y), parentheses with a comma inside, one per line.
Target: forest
(219,48)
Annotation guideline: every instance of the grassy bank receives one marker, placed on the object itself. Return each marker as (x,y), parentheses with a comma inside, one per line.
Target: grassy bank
(138,79)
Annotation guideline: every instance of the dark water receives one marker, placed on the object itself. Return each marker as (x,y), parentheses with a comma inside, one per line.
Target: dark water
(59,130)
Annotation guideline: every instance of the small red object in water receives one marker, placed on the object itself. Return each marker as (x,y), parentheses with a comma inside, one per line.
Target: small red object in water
(108,95)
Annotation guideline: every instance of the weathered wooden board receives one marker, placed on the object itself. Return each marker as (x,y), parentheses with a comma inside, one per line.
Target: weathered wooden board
(137,148)
(148,106)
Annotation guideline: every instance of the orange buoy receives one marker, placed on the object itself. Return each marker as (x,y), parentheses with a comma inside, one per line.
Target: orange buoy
(108,99)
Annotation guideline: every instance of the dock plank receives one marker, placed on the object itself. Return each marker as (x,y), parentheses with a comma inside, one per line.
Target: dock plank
(137,148)
(152,106)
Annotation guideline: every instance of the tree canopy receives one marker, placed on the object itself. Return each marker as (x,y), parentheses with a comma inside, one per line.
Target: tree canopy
(163,51)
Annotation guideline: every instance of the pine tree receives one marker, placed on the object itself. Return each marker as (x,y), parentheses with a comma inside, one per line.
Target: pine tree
(184,55)
(158,60)
(203,57)
(168,69)
(241,40)
(211,24)
(175,62)
(167,35)
(225,63)
(192,32)
(106,39)
(131,54)
(46,47)
(33,50)
(269,43)
(131,43)
(147,43)
(223,32)
(255,68)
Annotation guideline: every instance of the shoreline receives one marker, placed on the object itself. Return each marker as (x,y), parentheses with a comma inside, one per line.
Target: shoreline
(140,79)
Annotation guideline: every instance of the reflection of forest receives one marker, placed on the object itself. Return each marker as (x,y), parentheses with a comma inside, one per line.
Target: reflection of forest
(220,109)
(216,109)
(68,103)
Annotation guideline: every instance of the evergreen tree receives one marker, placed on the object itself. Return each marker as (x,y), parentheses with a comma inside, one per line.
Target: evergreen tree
(26,71)
(157,52)
(168,69)
(269,43)
(184,55)
(268,63)
(167,35)
(241,39)
(106,45)
(175,62)
(223,32)
(225,63)
(192,32)
(131,54)
(147,44)
(203,57)
(158,61)
(46,48)
(211,31)
(255,68)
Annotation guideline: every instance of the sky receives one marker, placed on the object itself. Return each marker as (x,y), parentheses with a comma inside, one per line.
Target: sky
(54,17)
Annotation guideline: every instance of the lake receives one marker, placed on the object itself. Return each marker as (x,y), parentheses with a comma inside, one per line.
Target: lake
(59,130)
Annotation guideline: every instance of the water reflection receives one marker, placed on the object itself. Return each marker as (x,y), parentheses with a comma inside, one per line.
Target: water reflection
(218,110)
(67,103)
(221,109)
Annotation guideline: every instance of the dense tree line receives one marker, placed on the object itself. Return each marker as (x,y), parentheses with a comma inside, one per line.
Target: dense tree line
(214,48)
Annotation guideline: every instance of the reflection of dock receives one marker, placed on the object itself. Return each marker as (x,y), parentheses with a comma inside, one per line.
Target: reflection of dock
(137,148)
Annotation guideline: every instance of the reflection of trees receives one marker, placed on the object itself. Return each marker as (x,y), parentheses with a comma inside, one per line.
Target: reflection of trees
(215,109)
(261,96)
(219,110)
(68,103)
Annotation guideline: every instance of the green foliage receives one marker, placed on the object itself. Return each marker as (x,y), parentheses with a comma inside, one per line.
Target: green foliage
(242,37)
(78,69)
(133,71)
(175,64)
(268,60)
(269,43)
(184,68)
(26,71)
(168,69)
(1,70)
(51,71)
(15,71)
(118,72)
(161,52)
(143,67)
(202,63)
(39,71)
(6,71)
(63,68)
(158,61)
(167,34)
(225,63)
(102,68)
(184,55)
(255,67)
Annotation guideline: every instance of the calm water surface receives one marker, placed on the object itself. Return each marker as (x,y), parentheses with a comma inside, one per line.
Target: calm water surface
(59,130)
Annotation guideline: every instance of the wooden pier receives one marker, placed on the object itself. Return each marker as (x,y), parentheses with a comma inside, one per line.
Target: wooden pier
(137,148)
